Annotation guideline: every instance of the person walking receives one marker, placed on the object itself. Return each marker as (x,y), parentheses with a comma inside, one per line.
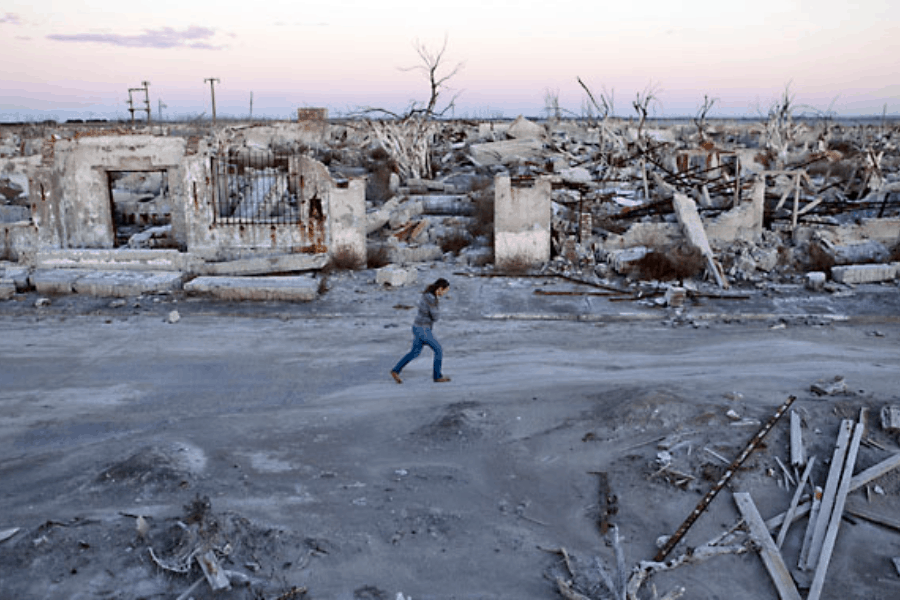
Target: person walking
(429,312)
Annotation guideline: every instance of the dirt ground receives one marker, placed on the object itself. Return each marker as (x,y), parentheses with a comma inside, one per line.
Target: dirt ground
(275,438)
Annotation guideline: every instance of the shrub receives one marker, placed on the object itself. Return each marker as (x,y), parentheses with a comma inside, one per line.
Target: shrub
(819,259)
(344,259)
(681,262)
(483,219)
(515,266)
(377,256)
(453,242)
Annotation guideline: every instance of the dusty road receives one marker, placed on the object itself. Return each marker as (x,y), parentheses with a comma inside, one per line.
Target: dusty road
(322,473)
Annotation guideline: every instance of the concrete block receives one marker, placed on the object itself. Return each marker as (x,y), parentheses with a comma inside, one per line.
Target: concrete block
(815,281)
(14,214)
(56,281)
(522,128)
(266,264)
(504,152)
(395,276)
(415,254)
(113,259)
(675,296)
(290,289)
(7,289)
(620,260)
(18,275)
(127,283)
(864,273)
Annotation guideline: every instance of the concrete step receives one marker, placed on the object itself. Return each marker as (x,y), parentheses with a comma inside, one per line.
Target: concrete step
(299,288)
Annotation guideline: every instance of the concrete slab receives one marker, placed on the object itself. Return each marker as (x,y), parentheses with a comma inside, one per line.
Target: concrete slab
(111,259)
(7,289)
(15,273)
(395,276)
(255,288)
(127,283)
(266,264)
(56,281)
(864,273)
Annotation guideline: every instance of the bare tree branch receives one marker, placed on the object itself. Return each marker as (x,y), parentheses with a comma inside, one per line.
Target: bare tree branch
(432,64)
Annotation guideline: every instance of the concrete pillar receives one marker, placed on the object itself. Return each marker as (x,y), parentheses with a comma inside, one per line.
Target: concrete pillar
(348,220)
(521,222)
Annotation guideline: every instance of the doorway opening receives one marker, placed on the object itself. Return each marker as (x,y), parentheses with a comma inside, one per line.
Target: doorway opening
(141,209)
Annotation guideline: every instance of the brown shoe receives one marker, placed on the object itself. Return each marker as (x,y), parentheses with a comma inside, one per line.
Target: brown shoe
(396,376)
(442,380)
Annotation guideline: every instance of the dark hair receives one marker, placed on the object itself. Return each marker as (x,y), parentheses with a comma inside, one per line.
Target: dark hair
(437,285)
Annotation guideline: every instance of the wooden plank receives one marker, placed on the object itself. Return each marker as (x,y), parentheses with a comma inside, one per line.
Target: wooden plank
(213,572)
(789,515)
(768,551)
(835,522)
(798,452)
(858,481)
(874,472)
(859,509)
(828,497)
(810,526)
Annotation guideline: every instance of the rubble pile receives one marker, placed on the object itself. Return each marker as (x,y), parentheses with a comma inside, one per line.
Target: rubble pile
(776,201)
(764,203)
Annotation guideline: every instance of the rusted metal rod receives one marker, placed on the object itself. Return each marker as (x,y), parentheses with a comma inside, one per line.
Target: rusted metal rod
(732,469)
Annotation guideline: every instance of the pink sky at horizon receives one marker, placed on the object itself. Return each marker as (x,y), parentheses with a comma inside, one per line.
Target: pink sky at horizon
(71,62)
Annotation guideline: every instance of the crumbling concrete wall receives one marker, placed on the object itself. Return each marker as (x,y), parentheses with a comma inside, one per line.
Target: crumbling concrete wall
(743,222)
(72,206)
(348,220)
(71,203)
(521,222)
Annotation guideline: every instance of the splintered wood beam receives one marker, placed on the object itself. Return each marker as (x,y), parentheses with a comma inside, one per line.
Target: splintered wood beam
(768,551)
(789,516)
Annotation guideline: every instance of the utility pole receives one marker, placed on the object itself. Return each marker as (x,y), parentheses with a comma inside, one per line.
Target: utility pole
(212,90)
(162,105)
(146,85)
(131,105)
(251,106)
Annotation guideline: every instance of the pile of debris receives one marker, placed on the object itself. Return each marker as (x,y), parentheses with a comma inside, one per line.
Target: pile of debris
(760,204)
(824,507)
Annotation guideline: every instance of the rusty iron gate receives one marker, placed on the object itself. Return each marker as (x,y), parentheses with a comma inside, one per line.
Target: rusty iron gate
(261,187)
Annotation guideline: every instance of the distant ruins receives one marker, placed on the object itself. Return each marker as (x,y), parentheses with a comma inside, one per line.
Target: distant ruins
(725,201)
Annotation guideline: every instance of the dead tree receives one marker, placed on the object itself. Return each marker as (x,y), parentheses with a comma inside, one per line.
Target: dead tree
(702,113)
(641,103)
(407,137)
(432,64)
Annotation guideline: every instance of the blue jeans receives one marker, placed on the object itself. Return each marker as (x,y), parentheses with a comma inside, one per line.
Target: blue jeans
(422,336)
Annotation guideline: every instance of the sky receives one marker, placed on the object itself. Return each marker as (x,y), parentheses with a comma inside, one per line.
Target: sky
(77,59)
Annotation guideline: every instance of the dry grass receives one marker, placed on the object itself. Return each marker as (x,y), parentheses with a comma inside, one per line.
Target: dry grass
(344,259)
(377,257)
(895,253)
(680,262)
(483,221)
(454,242)
(819,259)
(515,266)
